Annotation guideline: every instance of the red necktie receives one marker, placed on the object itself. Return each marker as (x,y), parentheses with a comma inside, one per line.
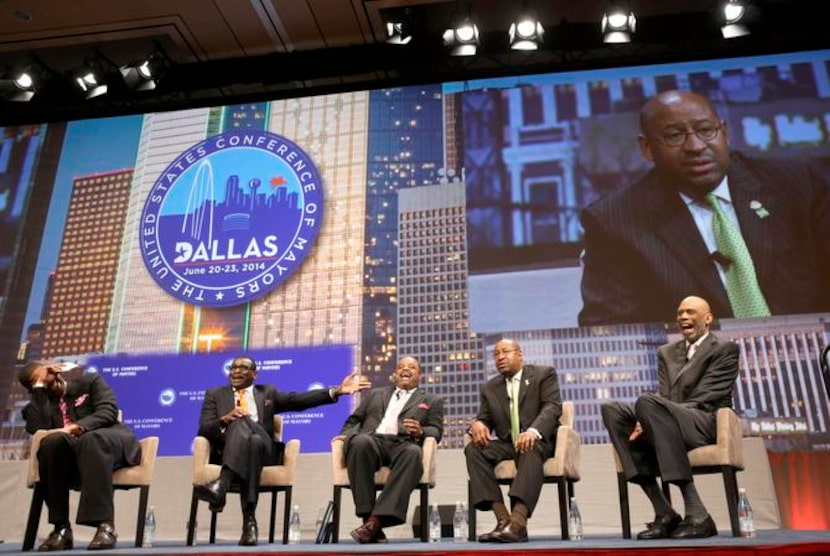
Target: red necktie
(64,407)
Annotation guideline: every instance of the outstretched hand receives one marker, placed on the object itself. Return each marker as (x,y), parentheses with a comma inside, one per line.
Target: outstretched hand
(352,384)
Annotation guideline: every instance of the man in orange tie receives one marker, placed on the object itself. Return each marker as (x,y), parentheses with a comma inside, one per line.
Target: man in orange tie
(239,423)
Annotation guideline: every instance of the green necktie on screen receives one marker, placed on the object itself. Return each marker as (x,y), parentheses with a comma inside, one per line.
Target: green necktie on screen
(514,409)
(742,287)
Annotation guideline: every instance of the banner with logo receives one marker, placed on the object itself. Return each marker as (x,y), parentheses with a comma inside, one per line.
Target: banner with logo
(162,395)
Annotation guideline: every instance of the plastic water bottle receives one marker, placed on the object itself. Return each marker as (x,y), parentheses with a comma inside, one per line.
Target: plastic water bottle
(434,524)
(459,522)
(149,528)
(745,516)
(294,526)
(574,522)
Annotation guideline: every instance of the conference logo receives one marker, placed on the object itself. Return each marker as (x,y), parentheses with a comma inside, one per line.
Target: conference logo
(231,218)
(167,397)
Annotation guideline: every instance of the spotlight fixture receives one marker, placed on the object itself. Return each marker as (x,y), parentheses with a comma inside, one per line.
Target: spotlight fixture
(145,74)
(526,33)
(19,88)
(463,40)
(90,79)
(399,28)
(618,23)
(734,17)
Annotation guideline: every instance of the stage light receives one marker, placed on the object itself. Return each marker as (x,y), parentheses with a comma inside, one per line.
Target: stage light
(618,23)
(463,40)
(399,28)
(734,17)
(22,85)
(90,79)
(526,34)
(145,74)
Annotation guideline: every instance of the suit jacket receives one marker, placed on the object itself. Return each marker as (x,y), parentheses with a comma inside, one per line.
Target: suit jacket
(91,403)
(540,404)
(424,407)
(643,253)
(704,382)
(269,401)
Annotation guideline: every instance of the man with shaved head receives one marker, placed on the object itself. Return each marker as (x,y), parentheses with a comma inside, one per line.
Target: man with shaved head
(750,235)
(695,376)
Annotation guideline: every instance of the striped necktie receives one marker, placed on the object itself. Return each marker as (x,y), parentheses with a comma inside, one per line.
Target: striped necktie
(742,286)
(64,407)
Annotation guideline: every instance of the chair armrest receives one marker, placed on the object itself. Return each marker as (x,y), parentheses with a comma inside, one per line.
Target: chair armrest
(428,449)
(566,456)
(33,475)
(730,437)
(201,458)
(339,473)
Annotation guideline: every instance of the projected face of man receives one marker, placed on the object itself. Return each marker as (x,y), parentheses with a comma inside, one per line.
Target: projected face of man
(686,140)
(694,317)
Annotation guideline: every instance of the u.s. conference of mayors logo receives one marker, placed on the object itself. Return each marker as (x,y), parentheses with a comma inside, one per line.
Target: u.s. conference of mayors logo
(231,218)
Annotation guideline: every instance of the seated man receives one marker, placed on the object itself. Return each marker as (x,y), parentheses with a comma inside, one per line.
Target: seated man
(523,431)
(696,376)
(239,424)
(91,444)
(388,428)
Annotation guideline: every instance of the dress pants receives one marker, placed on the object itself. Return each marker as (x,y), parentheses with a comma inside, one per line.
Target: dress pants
(248,448)
(368,452)
(525,487)
(670,430)
(87,462)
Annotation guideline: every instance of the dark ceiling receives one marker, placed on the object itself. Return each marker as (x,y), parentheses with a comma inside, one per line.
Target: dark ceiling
(225,51)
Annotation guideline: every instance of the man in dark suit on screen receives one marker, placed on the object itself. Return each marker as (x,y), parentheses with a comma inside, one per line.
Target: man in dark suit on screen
(752,236)
(388,428)
(238,421)
(89,447)
(518,418)
(696,376)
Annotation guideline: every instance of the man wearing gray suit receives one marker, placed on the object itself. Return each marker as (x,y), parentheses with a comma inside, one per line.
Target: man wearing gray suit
(388,428)
(695,378)
(517,420)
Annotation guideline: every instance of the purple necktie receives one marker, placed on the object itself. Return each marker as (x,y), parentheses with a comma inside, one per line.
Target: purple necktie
(64,407)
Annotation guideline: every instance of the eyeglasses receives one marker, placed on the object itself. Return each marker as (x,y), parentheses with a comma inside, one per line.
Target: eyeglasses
(704,132)
(499,353)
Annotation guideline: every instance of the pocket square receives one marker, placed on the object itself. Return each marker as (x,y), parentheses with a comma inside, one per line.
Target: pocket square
(80,399)
(422,405)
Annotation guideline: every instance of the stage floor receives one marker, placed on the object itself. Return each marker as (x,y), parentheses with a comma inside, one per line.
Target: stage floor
(777,543)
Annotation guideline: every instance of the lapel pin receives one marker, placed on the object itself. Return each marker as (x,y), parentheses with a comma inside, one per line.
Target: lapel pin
(759,209)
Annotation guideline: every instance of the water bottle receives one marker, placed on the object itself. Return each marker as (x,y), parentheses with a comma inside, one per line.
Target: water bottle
(574,522)
(434,524)
(149,528)
(294,526)
(459,523)
(745,516)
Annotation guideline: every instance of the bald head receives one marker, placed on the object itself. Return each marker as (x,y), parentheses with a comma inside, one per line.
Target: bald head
(694,317)
(671,100)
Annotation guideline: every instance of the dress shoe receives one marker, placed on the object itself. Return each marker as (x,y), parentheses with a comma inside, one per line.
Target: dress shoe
(491,536)
(660,528)
(369,532)
(104,538)
(512,533)
(250,532)
(59,539)
(695,528)
(213,493)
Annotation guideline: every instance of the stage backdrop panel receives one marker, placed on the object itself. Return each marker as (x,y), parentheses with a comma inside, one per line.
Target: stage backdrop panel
(161,395)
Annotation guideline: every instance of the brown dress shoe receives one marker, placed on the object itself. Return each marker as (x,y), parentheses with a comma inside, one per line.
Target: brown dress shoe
(369,532)
(59,539)
(512,533)
(491,536)
(104,538)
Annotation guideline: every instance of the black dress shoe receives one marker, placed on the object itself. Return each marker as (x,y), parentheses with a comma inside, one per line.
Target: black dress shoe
(491,536)
(695,528)
(660,528)
(213,493)
(368,533)
(59,539)
(104,538)
(511,533)
(250,532)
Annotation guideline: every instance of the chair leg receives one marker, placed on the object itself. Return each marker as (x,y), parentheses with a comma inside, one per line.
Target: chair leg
(471,515)
(562,485)
(191,521)
(730,483)
(212,538)
(272,516)
(335,514)
(625,515)
(144,494)
(286,515)
(424,513)
(34,517)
